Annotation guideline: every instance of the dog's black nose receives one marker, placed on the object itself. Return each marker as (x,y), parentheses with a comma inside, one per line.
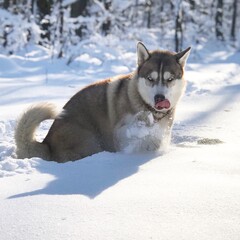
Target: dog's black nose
(159,98)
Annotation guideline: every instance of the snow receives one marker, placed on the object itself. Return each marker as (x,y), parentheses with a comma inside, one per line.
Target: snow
(190,192)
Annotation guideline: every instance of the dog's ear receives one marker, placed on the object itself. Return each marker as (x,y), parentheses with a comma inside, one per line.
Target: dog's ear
(142,53)
(183,56)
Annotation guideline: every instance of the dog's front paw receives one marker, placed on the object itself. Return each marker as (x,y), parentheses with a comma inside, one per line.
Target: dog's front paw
(144,118)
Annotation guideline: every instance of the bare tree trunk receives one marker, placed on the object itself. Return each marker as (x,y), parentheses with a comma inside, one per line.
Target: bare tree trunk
(192,4)
(149,12)
(78,7)
(234,18)
(219,20)
(61,38)
(32,6)
(6,4)
(136,8)
(107,24)
(178,27)
(44,8)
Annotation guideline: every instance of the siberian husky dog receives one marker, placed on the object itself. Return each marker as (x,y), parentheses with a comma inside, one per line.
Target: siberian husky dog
(133,112)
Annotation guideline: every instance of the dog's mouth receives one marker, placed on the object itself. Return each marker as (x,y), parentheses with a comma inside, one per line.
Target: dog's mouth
(162,104)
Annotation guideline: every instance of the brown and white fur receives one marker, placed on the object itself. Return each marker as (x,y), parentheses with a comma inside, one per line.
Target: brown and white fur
(100,116)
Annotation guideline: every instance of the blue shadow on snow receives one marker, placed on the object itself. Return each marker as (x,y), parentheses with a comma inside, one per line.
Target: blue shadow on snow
(89,176)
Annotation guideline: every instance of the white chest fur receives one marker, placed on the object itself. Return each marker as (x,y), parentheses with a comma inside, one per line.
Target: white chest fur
(141,133)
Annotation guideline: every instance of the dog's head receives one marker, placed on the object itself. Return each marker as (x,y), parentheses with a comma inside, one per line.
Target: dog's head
(160,77)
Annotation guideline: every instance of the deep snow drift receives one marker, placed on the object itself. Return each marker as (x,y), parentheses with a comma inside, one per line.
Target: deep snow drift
(190,192)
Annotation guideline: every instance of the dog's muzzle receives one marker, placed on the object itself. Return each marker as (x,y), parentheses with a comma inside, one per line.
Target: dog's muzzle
(161,102)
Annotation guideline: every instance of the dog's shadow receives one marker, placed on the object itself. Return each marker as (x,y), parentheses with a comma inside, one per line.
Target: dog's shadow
(90,176)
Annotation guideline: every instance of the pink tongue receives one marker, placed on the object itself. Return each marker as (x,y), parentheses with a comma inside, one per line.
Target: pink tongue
(162,104)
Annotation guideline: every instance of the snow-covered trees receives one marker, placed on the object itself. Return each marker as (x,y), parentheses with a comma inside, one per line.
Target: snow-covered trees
(61,25)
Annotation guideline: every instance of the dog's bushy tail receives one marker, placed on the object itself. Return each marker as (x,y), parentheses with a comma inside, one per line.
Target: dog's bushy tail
(26,143)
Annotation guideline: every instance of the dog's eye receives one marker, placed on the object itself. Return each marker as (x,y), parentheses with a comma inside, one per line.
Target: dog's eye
(149,78)
(171,79)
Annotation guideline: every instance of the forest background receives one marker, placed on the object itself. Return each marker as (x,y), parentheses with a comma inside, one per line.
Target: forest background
(66,27)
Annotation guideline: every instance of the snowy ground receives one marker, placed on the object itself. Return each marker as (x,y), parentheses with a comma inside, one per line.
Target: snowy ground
(191,192)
